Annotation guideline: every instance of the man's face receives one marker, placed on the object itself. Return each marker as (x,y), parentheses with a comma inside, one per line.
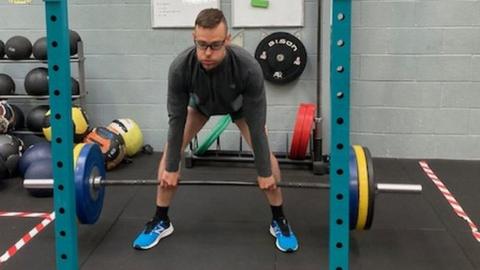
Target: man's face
(210,45)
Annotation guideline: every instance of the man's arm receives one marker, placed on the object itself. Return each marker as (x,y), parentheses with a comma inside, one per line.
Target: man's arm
(255,112)
(177,101)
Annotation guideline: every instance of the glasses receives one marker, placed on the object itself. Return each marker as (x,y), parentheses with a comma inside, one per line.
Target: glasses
(215,46)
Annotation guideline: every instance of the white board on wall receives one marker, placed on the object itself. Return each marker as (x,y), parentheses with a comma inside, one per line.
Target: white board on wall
(278,13)
(178,13)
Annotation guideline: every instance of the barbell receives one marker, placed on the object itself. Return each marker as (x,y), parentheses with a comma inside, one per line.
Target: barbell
(90,182)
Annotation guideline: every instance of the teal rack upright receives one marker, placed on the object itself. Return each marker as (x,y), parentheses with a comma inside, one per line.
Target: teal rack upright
(58,50)
(340,132)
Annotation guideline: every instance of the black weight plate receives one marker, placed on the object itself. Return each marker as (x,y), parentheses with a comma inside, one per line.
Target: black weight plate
(282,57)
(371,188)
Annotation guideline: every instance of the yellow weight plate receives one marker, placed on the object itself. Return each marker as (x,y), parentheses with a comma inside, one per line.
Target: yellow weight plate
(362,187)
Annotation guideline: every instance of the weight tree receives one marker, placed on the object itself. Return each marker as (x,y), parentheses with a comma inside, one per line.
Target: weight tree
(62,136)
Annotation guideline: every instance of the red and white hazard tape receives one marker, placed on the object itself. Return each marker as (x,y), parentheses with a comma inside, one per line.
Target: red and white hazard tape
(26,238)
(451,200)
(24,214)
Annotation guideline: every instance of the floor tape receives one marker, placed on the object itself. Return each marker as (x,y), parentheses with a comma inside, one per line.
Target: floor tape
(26,238)
(24,214)
(451,200)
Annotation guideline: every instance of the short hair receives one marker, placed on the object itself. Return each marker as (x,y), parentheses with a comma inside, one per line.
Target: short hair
(210,18)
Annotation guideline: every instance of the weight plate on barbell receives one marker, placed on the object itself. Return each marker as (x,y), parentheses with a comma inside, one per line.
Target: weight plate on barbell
(362,187)
(352,166)
(282,57)
(371,188)
(89,199)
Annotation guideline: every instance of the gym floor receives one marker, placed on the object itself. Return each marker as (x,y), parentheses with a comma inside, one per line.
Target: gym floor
(227,227)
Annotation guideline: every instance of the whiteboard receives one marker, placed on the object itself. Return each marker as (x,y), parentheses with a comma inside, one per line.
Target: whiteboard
(178,13)
(278,13)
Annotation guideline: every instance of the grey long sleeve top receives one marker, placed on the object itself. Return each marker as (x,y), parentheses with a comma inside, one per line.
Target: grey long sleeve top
(236,84)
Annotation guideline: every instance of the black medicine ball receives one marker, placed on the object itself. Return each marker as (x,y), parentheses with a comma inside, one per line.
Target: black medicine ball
(7,85)
(18,48)
(40,49)
(75,87)
(19,122)
(10,151)
(74,39)
(36,117)
(36,82)
(2,49)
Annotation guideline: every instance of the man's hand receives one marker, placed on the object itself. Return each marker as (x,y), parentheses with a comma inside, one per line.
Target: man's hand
(169,179)
(267,183)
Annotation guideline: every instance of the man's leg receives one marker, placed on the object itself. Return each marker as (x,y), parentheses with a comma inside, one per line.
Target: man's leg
(160,225)
(274,197)
(286,240)
(195,122)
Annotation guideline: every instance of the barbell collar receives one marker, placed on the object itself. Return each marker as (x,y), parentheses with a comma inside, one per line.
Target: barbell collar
(97,181)
(398,188)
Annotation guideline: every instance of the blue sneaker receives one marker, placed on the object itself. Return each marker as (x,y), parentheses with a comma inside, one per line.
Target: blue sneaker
(153,232)
(286,240)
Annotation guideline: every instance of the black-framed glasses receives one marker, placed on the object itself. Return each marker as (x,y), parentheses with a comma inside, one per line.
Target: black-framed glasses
(215,46)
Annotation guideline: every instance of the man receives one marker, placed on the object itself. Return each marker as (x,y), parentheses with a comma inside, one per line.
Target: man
(214,78)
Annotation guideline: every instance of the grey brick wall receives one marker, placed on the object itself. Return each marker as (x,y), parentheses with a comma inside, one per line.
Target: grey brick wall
(415,89)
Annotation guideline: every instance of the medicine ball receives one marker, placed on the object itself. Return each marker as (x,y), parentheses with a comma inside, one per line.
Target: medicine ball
(36,117)
(3,170)
(76,152)
(19,122)
(7,117)
(34,152)
(7,85)
(36,82)
(18,48)
(130,132)
(80,125)
(11,148)
(2,49)
(75,87)
(40,169)
(40,49)
(74,39)
(111,144)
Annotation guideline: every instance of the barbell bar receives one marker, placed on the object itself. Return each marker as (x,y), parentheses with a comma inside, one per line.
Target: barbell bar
(98,181)
(90,182)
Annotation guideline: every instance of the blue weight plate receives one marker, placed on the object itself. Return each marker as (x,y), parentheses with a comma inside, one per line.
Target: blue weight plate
(352,163)
(89,200)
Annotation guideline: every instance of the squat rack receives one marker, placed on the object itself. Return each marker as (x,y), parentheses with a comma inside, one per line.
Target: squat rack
(66,240)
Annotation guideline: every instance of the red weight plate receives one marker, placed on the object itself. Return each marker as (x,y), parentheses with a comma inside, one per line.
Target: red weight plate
(306,130)
(297,132)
